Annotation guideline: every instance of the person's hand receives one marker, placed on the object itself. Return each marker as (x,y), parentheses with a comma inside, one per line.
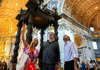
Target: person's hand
(56,66)
(23,27)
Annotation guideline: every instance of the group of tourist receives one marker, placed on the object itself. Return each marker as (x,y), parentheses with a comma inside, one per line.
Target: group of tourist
(49,55)
(3,65)
(92,65)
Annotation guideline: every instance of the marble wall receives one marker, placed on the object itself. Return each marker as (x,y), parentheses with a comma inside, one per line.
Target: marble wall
(65,27)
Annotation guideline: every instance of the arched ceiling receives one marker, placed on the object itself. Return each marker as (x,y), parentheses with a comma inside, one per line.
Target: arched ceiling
(9,9)
(82,10)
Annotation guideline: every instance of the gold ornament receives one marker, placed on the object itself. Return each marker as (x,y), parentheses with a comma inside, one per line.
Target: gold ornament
(78,40)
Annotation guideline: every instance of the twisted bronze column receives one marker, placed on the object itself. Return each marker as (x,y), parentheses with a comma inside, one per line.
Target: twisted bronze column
(29,34)
(14,58)
(42,33)
(55,25)
(30,30)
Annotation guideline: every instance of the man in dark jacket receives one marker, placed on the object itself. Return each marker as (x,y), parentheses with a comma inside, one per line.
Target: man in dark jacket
(49,55)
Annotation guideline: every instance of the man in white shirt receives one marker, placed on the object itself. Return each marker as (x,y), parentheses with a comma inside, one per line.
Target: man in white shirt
(70,54)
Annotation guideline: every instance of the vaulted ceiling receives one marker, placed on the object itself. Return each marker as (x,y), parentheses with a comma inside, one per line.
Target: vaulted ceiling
(9,9)
(86,12)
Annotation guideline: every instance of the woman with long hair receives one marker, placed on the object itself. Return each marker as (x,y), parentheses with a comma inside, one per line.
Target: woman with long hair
(30,50)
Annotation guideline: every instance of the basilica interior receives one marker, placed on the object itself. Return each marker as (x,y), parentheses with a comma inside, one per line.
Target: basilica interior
(79,19)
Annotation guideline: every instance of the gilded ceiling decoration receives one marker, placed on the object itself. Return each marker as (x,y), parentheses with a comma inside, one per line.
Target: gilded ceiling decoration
(82,10)
(8,11)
